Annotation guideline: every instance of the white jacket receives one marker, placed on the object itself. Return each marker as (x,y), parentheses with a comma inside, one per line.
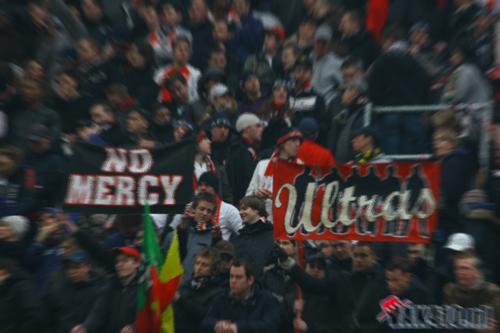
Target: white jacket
(260,181)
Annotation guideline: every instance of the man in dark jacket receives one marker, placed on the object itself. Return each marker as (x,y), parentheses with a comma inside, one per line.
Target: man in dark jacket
(245,308)
(381,300)
(19,311)
(194,297)
(71,297)
(242,156)
(255,239)
(365,269)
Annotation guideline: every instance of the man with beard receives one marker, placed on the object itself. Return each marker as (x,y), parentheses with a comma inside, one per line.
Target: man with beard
(195,296)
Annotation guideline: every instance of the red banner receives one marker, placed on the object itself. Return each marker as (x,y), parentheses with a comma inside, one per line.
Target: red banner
(386,202)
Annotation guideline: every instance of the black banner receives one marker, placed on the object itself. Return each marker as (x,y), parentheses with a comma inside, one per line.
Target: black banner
(122,181)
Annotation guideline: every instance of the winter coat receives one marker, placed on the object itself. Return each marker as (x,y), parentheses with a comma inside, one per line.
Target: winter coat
(259,64)
(327,76)
(260,180)
(193,305)
(256,242)
(115,308)
(278,282)
(467,85)
(19,305)
(241,162)
(257,314)
(360,280)
(361,45)
(202,40)
(247,39)
(69,304)
(306,103)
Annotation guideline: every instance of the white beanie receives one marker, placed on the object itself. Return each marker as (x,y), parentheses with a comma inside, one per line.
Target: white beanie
(17,223)
(246,120)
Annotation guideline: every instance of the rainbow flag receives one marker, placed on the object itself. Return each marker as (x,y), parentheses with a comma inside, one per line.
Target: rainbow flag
(157,286)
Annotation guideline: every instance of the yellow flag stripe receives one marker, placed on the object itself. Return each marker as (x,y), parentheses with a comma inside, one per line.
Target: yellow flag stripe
(172,266)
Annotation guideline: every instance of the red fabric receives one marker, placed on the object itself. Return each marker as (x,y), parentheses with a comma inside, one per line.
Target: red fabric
(314,154)
(377,13)
(216,217)
(441,3)
(166,95)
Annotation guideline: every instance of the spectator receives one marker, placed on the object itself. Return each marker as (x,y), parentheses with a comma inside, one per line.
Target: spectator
(178,97)
(195,296)
(326,76)
(211,77)
(267,64)
(226,216)
(365,269)
(355,41)
(181,55)
(245,308)
(305,100)
(13,230)
(347,114)
(97,24)
(202,161)
(182,129)
(221,102)
(105,129)
(471,290)
(242,156)
(255,239)
(94,70)
(252,99)
(311,152)
(201,27)
(249,33)
(304,37)
(31,111)
(289,55)
(138,130)
(162,128)
(365,147)
(18,301)
(287,149)
(71,297)
(226,257)
(220,134)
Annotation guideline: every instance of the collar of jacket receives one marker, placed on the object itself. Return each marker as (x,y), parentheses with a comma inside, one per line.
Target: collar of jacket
(257,227)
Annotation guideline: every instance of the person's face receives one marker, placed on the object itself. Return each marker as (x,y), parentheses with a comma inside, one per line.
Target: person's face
(302,75)
(271,43)
(170,15)
(291,147)
(248,214)
(466,273)
(320,47)
(397,281)
(198,11)
(134,57)
(326,248)
(162,116)
(202,266)
(418,37)
(415,251)
(66,86)
(35,71)
(86,51)
(179,132)
(224,265)
(31,91)
(442,145)
(204,211)
(91,11)
(205,188)
(100,116)
(239,283)
(126,266)
(180,91)
(77,272)
(342,249)
(306,31)
(287,247)
(360,143)
(347,26)
(242,7)
(255,132)
(316,271)
(205,146)
(6,232)
(136,124)
(288,58)
(219,134)
(280,95)
(351,74)
(252,85)
(221,31)
(363,259)
(7,166)
(182,52)
(218,61)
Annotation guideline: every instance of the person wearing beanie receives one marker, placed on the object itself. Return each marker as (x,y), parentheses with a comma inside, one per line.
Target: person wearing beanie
(226,216)
(287,148)
(311,152)
(243,154)
(221,101)
(13,228)
(364,145)
(219,128)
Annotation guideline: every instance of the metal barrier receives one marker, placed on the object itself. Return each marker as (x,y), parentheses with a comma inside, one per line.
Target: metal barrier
(479,112)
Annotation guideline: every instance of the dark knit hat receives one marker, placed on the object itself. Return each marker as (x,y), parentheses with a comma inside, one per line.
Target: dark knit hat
(210,179)
(288,133)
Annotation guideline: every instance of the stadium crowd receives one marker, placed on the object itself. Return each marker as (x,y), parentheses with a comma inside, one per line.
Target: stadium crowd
(251,82)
